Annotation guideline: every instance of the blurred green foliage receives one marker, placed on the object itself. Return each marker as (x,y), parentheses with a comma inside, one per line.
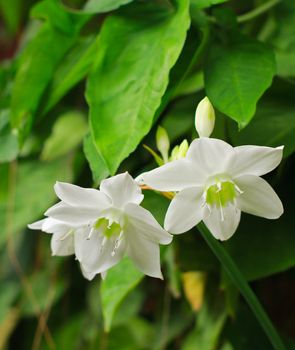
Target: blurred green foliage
(83,85)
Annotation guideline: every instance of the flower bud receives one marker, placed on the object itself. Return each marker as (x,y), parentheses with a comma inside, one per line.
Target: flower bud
(205,118)
(183,147)
(163,143)
(179,151)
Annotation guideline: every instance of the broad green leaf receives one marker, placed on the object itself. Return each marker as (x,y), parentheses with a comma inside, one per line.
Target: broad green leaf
(96,162)
(273,125)
(33,192)
(120,280)
(55,15)
(8,140)
(100,6)
(191,55)
(131,74)
(67,133)
(36,67)
(96,6)
(236,76)
(73,68)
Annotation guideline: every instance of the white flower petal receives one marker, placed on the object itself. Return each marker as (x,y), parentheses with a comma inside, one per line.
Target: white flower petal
(254,160)
(73,216)
(79,196)
(92,256)
(146,225)
(51,226)
(223,229)
(210,156)
(144,253)
(37,225)
(122,189)
(258,197)
(87,274)
(173,176)
(62,243)
(185,211)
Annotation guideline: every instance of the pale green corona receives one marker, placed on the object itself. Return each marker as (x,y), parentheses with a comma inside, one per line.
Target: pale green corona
(221,194)
(108,229)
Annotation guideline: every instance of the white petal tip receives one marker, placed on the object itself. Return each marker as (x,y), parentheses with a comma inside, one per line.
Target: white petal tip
(173,230)
(158,275)
(36,225)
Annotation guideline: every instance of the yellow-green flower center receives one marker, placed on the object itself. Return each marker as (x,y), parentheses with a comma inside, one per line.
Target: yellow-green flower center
(108,229)
(220,194)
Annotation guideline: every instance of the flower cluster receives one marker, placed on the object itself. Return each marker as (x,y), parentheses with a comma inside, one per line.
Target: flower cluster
(100,227)
(210,180)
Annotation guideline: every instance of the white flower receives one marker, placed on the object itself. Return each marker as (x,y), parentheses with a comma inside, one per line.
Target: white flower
(63,242)
(205,118)
(215,182)
(110,223)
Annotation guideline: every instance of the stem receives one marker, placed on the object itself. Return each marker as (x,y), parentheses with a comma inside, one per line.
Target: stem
(257,11)
(240,282)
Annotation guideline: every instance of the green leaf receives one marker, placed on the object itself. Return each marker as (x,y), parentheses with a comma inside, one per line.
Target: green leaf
(33,191)
(96,162)
(120,280)
(100,6)
(95,6)
(237,75)
(36,68)
(67,133)
(55,15)
(137,50)
(273,125)
(73,68)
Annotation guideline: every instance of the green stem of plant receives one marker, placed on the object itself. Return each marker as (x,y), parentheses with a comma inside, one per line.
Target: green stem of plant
(240,282)
(257,11)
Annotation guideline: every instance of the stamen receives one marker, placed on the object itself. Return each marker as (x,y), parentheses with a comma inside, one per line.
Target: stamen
(238,189)
(220,206)
(90,233)
(219,186)
(66,235)
(104,240)
(117,244)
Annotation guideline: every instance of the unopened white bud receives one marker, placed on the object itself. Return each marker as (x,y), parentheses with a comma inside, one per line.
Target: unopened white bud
(205,118)
(179,151)
(163,143)
(183,147)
